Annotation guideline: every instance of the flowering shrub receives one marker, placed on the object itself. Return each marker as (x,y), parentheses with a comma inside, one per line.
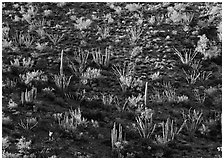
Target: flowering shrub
(82,24)
(90,74)
(202,44)
(182,99)
(136,101)
(71,120)
(23,147)
(27,63)
(30,76)
(177,14)
(12,104)
(207,48)
(133,7)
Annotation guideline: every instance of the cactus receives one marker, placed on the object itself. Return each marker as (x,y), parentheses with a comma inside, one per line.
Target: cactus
(116,135)
(29,96)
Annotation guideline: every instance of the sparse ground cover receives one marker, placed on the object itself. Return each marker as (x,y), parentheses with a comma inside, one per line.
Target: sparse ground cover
(111,80)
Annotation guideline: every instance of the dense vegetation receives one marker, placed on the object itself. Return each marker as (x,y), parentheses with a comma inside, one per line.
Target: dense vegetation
(111,79)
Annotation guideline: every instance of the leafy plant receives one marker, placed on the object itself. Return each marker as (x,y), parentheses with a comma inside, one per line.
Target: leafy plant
(136,51)
(118,9)
(119,104)
(30,76)
(61,81)
(41,46)
(9,83)
(12,104)
(38,26)
(5,32)
(29,123)
(145,125)
(41,32)
(205,75)
(134,33)
(6,44)
(192,76)
(211,90)
(174,15)
(168,132)
(202,44)
(196,64)
(55,38)
(179,14)
(207,48)
(198,96)
(155,76)
(90,74)
(107,99)
(133,7)
(135,101)
(157,97)
(5,143)
(101,59)
(23,145)
(187,58)
(21,39)
(125,75)
(16,62)
(82,24)
(192,120)
(187,18)
(81,57)
(104,31)
(182,98)
(169,93)
(26,63)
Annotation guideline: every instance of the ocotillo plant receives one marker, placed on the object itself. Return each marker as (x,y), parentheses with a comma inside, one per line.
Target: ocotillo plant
(61,80)
(61,70)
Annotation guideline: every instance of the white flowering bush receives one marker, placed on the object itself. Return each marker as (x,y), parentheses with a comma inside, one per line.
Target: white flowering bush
(71,120)
(136,101)
(91,73)
(23,146)
(26,63)
(30,76)
(81,23)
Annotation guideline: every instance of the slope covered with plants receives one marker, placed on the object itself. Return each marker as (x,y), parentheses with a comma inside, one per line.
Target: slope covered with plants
(111,80)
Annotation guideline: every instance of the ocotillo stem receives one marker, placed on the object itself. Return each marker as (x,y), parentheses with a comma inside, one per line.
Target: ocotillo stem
(61,66)
(146,93)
